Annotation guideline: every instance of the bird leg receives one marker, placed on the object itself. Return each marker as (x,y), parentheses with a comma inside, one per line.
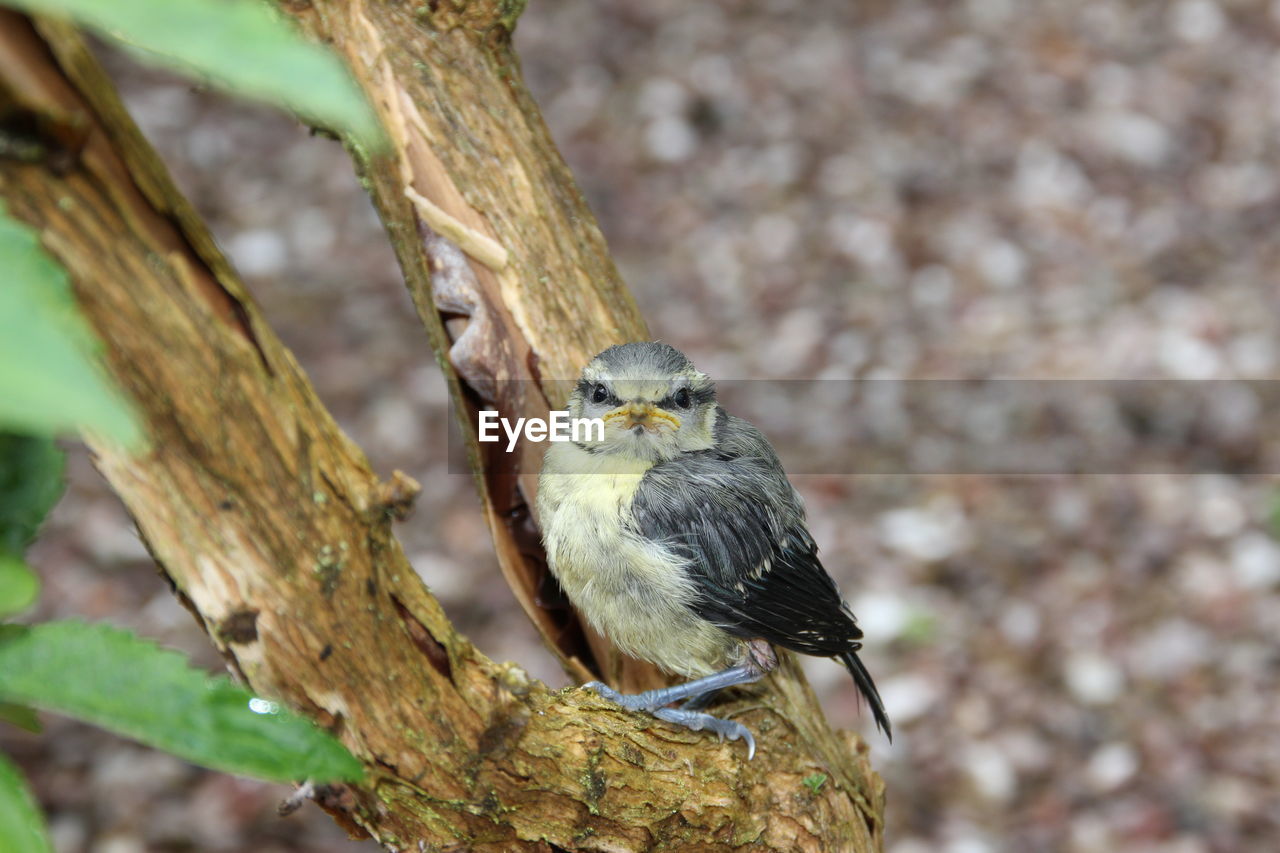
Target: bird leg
(654,701)
(651,700)
(697,703)
(760,656)
(760,660)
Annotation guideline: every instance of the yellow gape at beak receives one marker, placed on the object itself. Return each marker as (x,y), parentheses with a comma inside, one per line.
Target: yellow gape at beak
(645,415)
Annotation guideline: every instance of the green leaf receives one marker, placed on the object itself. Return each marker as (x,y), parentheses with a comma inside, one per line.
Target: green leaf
(18,585)
(31,470)
(814,783)
(129,685)
(243,46)
(30,483)
(20,716)
(50,381)
(21,823)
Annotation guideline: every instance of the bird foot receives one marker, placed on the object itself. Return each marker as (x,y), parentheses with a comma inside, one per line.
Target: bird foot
(631,701)
(653,702)
(701,721)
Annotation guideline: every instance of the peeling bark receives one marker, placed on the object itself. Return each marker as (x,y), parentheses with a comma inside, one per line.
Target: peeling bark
(276,533)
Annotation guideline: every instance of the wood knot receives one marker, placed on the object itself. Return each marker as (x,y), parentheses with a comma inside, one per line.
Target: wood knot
(240,627)
(394,498)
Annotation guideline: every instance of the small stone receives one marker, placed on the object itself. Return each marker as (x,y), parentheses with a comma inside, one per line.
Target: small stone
(1196,20)
(990,770)
(259,251)
(907,697)
(1255,561)
(928,534)
(1093,679)
(670,139)
(1111,766)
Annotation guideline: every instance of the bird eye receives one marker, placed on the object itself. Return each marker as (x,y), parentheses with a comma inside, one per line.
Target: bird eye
(682,398)
(599,393)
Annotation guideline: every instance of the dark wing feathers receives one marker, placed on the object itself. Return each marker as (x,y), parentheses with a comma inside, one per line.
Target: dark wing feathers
(733,516)
(740,526)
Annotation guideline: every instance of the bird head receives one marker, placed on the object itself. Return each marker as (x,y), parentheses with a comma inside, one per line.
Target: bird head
(654,403)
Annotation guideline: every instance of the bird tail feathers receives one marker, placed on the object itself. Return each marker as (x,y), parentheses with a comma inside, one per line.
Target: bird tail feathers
(862,678)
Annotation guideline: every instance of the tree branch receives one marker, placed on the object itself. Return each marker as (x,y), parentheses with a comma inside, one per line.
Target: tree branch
(275,532)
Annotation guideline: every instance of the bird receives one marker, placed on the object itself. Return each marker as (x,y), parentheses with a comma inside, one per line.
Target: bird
(675,532)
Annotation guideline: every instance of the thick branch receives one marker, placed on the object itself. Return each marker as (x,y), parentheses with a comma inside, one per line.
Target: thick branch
(470,147)
(491,232)
(273,528)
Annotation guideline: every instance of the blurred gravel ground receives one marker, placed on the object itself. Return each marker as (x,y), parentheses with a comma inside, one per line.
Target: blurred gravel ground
(836,190)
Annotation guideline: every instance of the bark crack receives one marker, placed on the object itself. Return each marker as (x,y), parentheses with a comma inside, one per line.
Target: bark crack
(432,649)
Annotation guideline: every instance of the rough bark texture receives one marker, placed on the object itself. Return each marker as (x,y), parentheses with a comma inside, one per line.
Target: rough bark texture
(275,532)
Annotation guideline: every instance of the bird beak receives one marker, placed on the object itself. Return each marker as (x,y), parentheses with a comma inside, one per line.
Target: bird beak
(645,415)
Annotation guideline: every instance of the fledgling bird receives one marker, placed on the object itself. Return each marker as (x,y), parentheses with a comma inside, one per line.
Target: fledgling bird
(679,537)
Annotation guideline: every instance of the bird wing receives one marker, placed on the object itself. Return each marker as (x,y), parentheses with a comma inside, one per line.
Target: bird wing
(735,520)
